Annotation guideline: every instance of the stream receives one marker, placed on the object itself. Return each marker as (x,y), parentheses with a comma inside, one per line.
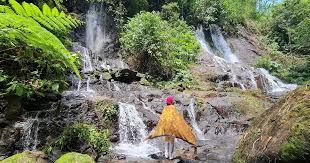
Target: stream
(140,106)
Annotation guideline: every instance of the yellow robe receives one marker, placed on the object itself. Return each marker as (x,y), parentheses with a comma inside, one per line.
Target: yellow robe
(172,124)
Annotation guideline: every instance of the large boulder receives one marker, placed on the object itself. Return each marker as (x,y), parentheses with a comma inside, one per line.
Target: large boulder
(27,157)
(75,157)
(282,133)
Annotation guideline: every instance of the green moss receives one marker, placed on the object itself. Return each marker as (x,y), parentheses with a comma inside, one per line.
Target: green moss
(25,157)
(237,158)
(298,145)
(99,140)
(75,157)
(251,103)
(280,133)
(106,108)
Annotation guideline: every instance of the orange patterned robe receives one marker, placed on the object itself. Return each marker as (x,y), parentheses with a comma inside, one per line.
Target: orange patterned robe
(172,124)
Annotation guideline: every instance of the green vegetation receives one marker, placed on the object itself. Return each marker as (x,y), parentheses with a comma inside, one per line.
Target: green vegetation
(107,111)
(81,132)
(251,104)
(75,157)
(33,60)
(51,19)
(285,27)
(289,68)
(281,133)
(159,47)
(26,157)
(288,24)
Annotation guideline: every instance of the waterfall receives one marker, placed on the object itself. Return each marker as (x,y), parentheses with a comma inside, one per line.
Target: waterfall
(192,116)
(272,84)
(132,132)
(221,45)
(242,75)
(96,35)
(200,36)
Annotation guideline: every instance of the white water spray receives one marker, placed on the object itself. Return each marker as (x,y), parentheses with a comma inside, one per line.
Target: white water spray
(96,35)
(272,84)
(221,44)
(192,116)
(132,133)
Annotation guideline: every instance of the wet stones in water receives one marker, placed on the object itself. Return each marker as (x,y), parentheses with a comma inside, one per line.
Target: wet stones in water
(114,138)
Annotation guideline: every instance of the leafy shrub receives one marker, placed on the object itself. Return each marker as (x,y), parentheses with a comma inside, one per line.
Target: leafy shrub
(287,25)
(270,65)
(287,67)
(159,48)
(107,109)
(207,11)
(301,37)
(237,11)
(99,140)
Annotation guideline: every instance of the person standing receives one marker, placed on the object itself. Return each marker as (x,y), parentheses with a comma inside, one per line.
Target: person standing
(172,125)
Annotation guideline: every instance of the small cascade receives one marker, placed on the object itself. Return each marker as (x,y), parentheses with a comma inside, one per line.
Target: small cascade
(86,58)
(192,116)
(79,86)
(221,44)
(96,35)
(132,133)
(271,84)
(30,129)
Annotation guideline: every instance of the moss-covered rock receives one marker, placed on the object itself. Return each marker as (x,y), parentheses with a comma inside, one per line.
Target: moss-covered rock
(27,157)
(281,133)
(106,110)
(79,135)
(75,157)
(250,103)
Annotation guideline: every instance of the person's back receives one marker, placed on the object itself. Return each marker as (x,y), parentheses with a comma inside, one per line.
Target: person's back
(172,125)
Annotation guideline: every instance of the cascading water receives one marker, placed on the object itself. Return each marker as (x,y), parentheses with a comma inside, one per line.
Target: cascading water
(30,129)
(132,133)
(96,35)
(220,43)
(192,116)
(266,82)
(86,59)
(200,36)
(272,84)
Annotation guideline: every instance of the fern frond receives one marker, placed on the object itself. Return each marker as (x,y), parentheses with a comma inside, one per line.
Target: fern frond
(35,10)
(51,19)
(27,8)
(17,7)
(19,29)
(46,10)
(6,9)
(55,12)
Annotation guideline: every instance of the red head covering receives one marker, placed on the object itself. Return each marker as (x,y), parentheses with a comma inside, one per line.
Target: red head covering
(169,100)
